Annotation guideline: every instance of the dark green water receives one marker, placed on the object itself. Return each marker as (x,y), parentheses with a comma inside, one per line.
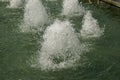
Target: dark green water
(16,48)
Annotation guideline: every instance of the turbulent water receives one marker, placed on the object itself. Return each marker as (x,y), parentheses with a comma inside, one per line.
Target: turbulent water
(70,47)
(51,0)
(35,15)
(4,0)
(61,47)
(15,4)
(90,27)
(72,8)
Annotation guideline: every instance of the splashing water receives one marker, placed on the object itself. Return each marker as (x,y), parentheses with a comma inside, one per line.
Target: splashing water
(35,15)
(51,0)
(90,27)
(72,7)
(4,0)
(15,4)
(61,47)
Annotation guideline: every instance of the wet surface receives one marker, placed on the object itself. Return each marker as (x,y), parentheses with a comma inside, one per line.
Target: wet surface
(16,48)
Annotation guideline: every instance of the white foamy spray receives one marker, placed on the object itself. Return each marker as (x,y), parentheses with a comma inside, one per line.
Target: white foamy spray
(90,27)
(35,15)
(15,4)
(5,0)
(72,8)
(51,0)
(61,47)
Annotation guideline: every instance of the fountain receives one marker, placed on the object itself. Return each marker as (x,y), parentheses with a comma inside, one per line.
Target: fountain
(4,0)
(35,15)
(51,0)
(61,47)
(15,4)
(90,27)
(72,7)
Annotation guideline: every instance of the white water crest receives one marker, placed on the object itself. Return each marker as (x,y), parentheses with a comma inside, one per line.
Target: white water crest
(72,8)
(15,4)
(61,47)
(90,27)
(35,15)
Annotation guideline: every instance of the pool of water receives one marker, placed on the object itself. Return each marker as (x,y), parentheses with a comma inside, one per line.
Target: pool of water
(17,49)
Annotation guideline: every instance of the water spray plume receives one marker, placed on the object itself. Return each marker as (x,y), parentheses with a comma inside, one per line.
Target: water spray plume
(90,27)
(15,4)
(72,8)
(35,15)
(61,47)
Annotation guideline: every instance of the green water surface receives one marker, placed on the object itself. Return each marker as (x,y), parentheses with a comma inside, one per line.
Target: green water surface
(16,48)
